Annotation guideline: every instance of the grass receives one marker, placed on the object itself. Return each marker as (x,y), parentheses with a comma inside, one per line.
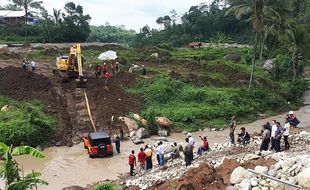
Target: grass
(25,123)
(107,186)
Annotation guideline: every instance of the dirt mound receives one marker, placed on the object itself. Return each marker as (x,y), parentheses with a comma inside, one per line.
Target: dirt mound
(227,168)
(113,102)
(24,85)
(203,177)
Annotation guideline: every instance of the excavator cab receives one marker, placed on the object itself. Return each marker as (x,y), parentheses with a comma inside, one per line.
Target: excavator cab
(72,66)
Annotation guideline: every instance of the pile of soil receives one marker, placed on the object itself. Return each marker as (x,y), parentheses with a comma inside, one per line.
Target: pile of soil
(24,85)
(113,102)
(203,177)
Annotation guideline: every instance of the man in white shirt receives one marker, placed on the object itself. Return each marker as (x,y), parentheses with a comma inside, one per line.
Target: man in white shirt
(161,150)
(286,133)
(33,65)
(273,133)
(191,139)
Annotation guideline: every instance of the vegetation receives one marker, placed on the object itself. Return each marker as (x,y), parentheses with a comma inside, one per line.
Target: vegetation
(203,90)
(107,186)
(109,34)
(11,172)
(25,123)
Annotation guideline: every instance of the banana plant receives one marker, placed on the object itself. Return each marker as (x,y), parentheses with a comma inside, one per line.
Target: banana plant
(10,171)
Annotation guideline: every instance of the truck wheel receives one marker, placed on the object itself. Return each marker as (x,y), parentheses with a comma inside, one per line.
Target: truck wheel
(91,156)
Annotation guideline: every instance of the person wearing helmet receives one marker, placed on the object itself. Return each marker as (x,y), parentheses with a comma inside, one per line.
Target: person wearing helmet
(292,119)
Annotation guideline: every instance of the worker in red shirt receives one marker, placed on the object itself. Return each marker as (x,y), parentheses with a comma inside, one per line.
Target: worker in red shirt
(107,78)
(205,145)
(132,162)
(104,69)
(141,160)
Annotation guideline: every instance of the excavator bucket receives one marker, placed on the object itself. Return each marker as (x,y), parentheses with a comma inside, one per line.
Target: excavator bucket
(80,83)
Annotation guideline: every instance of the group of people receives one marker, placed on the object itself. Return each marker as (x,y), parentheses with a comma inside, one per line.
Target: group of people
(145,162)
(27,64)
(105,71)
(273,133)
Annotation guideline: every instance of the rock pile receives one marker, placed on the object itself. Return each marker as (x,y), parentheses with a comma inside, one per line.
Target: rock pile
(174,169)
(293,170)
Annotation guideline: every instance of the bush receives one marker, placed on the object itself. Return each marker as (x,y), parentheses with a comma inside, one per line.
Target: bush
(26,123)
(107,186)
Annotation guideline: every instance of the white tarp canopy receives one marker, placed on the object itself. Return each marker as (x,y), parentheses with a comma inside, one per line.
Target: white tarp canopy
(108,55)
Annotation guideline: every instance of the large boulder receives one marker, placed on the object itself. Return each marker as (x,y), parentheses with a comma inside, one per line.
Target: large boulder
(163,122)
(238,175)
(232,57)
(142,133)
(138,141)
(303,178)
(7,108)
(131,124)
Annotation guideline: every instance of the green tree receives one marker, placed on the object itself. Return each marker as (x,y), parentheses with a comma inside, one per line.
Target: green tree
(57,16)
(10,171)
(28,4)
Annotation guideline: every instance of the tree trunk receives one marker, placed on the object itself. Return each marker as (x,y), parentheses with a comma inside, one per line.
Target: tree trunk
(253,62)
(295,64)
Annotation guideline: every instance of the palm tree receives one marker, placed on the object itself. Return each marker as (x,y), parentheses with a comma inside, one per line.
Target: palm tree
(257,12)
(10,171)
(57,14)
(27,4)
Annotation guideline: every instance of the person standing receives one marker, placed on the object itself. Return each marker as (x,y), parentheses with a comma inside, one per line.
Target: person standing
(157,152)
(277,138)
(132,162)
(188,152)
(265,138)
(141,160)
(148,158)
(121,132)
(33,65)
(98,71)
(205,145)
(273,133)
(118,144)
(162,150)
(233,125)
(107,79)
(24,65)
(286,134)
(104,69)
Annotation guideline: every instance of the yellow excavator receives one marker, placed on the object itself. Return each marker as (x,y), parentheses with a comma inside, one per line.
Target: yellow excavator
(72,66)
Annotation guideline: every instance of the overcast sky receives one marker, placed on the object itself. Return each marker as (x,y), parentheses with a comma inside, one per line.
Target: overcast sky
(134,14)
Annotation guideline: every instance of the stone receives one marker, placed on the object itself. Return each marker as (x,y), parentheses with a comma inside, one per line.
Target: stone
(255,188)
(268,64)
(232,57)
(261,169)
(272,173)
(40,148)
(73,188)
(137,117)
(303,178)
(231,188)
(58,143)
(130,123)
(132,134)
(162,133)
(138,141)
(238,175)
(184,132)
(254,181)
(7,108)
(143,122)
(278,165)
(251,157)
(69,144)
(142,133)
(163,122)
(244,185)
